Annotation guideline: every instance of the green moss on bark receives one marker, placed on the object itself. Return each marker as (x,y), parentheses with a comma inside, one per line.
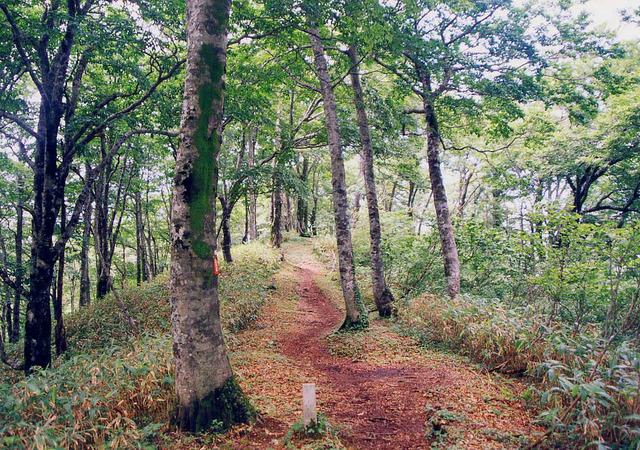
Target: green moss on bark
(225,406)
(207,142)
(363,317)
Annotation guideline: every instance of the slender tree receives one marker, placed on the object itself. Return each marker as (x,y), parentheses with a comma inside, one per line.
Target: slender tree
(55,52)
(381,293)
(85,281)
(15,335)
(355,315)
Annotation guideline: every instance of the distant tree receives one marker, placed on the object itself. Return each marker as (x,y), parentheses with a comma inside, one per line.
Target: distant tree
(475,58)
(355,316)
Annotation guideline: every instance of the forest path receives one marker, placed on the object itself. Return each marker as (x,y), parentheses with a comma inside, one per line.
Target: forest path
(377,407)
(378,388)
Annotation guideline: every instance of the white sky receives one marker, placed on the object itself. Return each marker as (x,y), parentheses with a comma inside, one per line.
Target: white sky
(608,12)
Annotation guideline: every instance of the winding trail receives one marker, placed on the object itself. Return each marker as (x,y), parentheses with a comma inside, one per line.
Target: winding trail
(377,405)
(377,387)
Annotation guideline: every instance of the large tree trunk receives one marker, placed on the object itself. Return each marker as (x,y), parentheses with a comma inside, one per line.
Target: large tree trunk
(46,206)
(356,316)
(204,382)
(85,282)
(37,349)
(445,228)
(381,294)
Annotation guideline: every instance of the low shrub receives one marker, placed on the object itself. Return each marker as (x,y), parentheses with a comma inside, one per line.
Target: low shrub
(244,284)
(319,434)
(118,397)
(587,386)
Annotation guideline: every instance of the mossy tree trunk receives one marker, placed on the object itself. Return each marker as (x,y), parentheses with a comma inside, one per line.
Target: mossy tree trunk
(381,293)
(204,382)
(355,315)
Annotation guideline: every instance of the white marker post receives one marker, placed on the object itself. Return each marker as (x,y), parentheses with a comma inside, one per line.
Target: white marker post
(309,413)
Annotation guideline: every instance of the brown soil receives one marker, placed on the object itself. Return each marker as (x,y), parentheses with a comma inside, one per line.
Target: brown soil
(377,406)
(377,388)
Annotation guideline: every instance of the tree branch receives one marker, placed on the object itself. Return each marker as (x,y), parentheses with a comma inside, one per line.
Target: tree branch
(89,180)
(21,123)
(17,40)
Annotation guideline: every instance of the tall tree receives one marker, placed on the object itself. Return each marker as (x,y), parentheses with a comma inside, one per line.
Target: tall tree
(433,52)
(205,386)
(355,315)
(381,293)
(15,335)
(85,281)
(252,216)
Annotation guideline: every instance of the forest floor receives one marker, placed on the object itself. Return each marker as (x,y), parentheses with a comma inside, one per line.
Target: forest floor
(377,388)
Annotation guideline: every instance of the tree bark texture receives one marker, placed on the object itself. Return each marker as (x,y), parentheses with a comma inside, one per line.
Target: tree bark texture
(445,228)
(355,314)
(227,208)
(276,195)
(15,331)
(142,272)
(6,318)
(381,293)
(60,332)
(152,265)
(101,228)
(204,382)
(58,83)
(302,207)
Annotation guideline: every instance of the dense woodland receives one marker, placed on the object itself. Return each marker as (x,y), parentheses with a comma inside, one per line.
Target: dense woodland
(468,171)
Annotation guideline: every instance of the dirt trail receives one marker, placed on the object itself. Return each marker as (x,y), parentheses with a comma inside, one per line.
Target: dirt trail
(378,388)
(400,401)
(377,405)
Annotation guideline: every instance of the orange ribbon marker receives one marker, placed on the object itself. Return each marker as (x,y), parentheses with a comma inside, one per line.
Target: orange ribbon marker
(216,268)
